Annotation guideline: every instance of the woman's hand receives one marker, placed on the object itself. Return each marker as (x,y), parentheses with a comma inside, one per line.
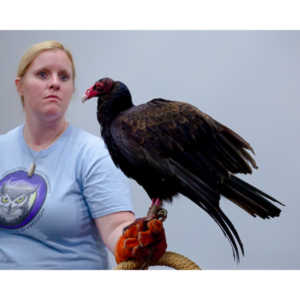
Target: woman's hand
(144,241)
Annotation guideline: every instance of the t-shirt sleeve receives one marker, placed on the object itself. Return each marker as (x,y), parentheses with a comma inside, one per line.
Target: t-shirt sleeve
(106,189)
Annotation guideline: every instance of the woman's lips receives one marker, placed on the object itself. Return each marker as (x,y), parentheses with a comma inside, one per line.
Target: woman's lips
(53,97)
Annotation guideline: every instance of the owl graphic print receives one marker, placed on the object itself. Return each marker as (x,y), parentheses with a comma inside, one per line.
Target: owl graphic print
(21,199)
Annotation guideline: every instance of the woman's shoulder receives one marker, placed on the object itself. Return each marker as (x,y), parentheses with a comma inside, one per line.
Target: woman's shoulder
(11,135)
(86,141)
(83,136)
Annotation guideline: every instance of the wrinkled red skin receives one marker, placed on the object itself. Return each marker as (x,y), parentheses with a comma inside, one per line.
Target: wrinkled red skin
(143,241)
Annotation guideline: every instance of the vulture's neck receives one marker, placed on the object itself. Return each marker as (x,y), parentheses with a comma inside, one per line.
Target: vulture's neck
(111,105)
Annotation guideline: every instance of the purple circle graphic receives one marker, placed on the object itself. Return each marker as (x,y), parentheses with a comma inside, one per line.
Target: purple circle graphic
(11,187)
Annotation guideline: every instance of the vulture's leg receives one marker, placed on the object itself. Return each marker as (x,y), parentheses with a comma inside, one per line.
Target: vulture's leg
(156,210)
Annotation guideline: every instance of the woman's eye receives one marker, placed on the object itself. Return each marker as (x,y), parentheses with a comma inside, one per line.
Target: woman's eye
(64,77)
(42,74)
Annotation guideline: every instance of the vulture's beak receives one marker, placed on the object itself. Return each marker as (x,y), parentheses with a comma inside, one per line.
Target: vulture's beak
(84,98)
(90,93)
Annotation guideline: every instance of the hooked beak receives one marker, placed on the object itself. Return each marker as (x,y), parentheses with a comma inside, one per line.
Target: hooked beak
(90,93)
(84,98)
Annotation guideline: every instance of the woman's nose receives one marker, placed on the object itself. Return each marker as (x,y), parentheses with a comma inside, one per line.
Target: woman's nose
(54,84)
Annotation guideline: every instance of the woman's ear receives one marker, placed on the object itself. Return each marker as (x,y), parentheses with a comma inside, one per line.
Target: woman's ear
(18,83)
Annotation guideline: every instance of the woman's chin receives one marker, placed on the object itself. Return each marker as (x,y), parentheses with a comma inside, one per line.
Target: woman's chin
(52,114)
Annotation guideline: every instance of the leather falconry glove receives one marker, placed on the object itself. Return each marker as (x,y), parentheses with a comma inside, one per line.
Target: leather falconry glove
(143,241)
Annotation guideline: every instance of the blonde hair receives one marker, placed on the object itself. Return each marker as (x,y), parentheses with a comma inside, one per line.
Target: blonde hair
(34,51)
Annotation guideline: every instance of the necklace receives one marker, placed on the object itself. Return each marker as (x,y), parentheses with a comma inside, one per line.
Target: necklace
(33,164)
(32,167)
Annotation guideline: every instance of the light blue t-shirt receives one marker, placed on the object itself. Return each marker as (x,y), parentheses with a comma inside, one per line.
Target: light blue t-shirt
(46,221)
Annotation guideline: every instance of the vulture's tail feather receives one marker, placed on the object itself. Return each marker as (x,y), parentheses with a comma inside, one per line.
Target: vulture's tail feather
(192,187)
(249,198)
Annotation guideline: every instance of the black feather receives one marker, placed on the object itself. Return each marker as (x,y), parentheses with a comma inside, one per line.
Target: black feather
(171,148)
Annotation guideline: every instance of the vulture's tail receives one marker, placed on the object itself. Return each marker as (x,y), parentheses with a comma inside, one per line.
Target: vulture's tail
(201,194)
(249,198)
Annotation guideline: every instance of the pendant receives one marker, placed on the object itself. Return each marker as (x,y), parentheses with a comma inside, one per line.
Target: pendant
(31,170)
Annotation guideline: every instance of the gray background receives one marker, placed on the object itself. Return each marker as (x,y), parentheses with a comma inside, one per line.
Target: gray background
(248,80)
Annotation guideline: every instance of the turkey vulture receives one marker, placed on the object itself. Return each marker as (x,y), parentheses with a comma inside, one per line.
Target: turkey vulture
(172,148)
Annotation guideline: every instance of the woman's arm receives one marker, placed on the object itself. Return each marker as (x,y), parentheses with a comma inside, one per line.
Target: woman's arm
(111,227)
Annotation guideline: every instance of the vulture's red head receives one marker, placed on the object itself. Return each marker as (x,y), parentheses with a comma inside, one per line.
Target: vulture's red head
(100,88)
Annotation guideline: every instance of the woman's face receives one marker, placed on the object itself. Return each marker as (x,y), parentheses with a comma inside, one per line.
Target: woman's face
(47,85)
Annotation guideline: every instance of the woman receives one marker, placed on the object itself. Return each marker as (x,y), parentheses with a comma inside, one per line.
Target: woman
(58,186)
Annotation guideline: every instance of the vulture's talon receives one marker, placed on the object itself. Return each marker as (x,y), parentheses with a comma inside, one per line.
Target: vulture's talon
(161,214)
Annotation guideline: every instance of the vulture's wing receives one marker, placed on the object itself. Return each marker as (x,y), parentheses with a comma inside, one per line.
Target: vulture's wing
(162,129)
